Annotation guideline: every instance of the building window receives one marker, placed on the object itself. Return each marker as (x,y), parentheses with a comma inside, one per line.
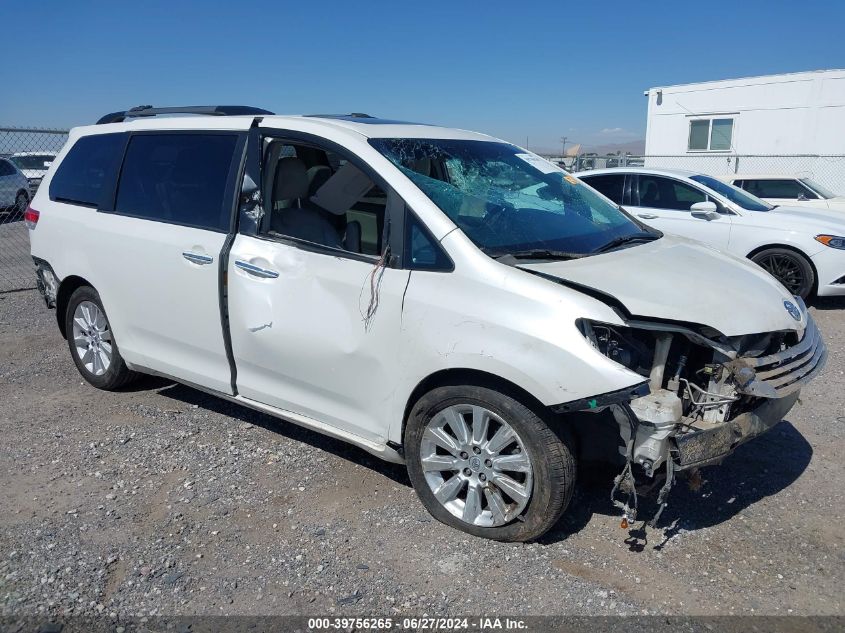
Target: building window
(710,135)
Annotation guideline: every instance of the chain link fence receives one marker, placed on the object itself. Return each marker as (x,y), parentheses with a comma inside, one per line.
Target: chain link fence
(827,170)
(25,155)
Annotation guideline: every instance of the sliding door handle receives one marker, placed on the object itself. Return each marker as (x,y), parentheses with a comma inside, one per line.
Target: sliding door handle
(257,271)
(197,258)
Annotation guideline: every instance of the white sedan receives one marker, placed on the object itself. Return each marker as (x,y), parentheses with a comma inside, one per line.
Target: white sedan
(803,248)
(33,165)
(14,189)
(789,190)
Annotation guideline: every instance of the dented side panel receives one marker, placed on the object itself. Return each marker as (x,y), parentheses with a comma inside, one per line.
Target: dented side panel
(302,343)
(301,340)
(493,318)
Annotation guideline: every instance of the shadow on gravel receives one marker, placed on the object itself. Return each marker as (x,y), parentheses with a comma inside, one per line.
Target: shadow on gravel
(146,382)
(290,430)
(828,303)
(761,468)
(758,469)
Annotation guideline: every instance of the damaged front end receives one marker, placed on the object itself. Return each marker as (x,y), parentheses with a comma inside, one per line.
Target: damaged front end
(703,394)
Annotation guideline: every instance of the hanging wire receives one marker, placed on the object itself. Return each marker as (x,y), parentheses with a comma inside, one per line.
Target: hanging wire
(375,277)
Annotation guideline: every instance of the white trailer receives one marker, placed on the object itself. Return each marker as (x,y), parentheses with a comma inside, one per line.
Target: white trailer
(739,125)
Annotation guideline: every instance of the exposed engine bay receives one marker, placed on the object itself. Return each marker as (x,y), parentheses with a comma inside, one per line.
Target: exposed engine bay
(706,394)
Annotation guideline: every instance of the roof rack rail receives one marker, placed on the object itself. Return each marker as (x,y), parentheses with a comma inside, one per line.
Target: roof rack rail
(147,110)
(351,115)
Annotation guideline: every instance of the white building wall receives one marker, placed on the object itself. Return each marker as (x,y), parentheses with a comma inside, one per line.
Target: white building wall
(800,113)
(777,115)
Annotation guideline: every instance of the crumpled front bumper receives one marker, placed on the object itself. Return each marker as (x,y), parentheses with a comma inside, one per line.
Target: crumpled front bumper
(778,375)
(776,379)
(710,446)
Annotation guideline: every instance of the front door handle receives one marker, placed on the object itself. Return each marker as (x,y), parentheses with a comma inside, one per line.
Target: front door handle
(197,258)
(647,216)
(252,269)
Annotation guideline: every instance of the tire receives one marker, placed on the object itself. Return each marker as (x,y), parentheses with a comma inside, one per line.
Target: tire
(91,343)
(21,203)
(790,268)
(549,482)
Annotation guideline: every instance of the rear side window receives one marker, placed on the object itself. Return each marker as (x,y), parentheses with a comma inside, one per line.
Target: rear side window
(88,170)
(178,178)
(785,188)
(611,185)
(6,168)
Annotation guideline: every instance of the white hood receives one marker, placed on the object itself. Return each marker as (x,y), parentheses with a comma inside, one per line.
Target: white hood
(680,280)
(837,203)
(812,215)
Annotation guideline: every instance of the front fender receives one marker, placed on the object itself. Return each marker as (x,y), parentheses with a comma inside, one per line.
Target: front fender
(524,333)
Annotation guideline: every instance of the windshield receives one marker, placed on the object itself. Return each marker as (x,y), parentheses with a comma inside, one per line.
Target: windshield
(508,201)
(825,193)
(33,161)
(739,197)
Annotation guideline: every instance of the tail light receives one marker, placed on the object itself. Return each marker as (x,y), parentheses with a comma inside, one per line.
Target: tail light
(30,218)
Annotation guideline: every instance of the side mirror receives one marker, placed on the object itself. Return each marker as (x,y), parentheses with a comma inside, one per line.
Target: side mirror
(705,211)
(802,197)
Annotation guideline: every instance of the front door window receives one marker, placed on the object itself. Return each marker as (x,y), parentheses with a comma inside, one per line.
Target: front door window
(658,192)
(318,197)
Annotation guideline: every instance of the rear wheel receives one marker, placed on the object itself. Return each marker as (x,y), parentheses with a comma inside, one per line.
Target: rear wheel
(21,203)
(790,268)
(91,342)
(486,464)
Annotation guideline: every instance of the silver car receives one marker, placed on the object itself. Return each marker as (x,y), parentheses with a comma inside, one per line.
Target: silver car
(14,188)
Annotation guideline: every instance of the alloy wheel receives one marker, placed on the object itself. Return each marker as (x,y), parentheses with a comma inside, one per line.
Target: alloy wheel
(785,269)
(92,338)
(476,465)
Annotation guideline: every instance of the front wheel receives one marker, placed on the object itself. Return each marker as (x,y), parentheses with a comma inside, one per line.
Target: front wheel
(486,464)
(791,269)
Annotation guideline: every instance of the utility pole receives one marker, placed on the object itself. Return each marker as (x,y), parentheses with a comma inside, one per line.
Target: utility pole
(563,146)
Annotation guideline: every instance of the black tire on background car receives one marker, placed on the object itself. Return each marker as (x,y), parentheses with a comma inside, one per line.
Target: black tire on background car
(21,203)
(485,463)
(92,345)
(790,268)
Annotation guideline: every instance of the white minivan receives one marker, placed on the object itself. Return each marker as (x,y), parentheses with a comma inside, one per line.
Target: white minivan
(435,296)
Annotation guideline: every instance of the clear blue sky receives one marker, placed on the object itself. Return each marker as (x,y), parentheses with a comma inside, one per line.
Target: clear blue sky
(513,69)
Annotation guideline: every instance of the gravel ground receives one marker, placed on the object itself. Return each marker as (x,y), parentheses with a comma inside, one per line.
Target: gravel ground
(163,500)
